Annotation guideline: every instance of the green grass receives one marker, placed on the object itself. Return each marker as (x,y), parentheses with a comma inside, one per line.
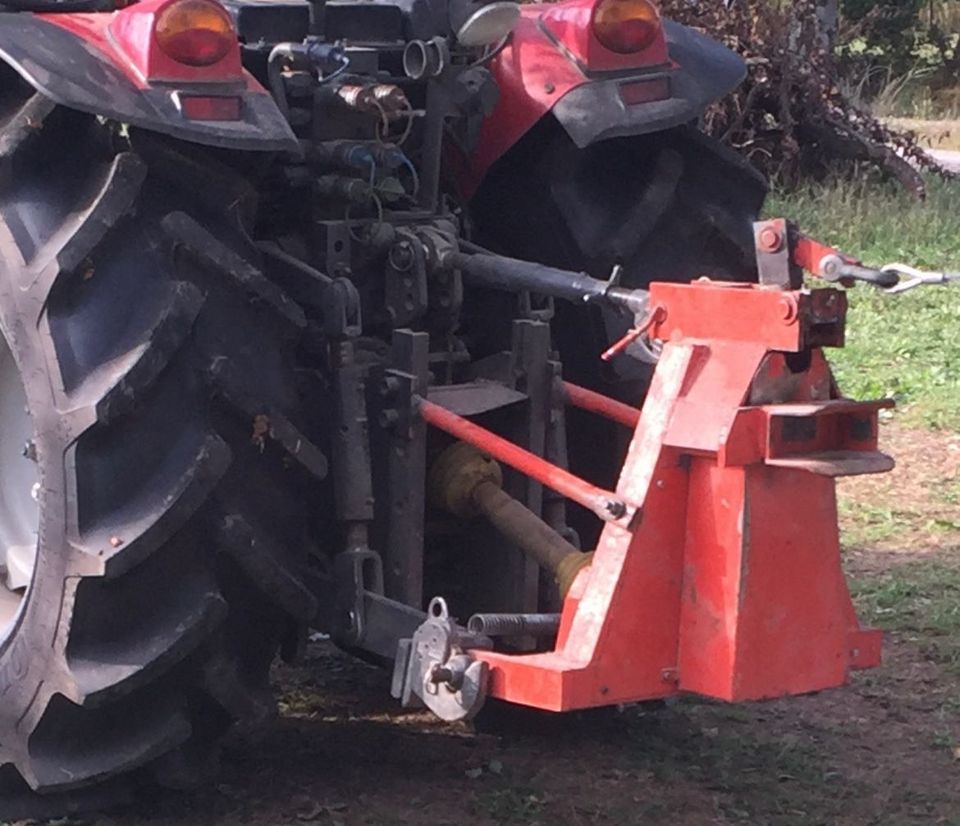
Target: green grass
(866,524)
(906,346)
(917,599)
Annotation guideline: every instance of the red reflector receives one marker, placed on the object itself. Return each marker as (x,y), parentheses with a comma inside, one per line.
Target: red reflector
(195,107)
(645,91)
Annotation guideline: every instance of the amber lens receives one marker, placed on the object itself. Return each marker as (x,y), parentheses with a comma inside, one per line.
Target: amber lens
(626,26)
(195,32)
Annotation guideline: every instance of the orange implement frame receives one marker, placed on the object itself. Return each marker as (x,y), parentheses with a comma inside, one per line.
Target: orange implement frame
(726,581)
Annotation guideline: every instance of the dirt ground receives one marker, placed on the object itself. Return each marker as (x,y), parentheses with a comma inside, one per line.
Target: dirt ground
(885,750)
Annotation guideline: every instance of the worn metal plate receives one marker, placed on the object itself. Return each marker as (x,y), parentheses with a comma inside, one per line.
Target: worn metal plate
(474,398)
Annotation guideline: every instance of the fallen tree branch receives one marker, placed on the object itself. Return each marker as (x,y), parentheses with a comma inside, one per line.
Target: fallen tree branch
(789,116)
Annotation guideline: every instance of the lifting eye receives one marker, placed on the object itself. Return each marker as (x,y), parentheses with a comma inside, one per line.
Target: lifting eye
(625,26)
(195,32)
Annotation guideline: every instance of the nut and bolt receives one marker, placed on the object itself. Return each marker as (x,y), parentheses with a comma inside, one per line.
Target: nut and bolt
(452,677)
(390,386)
(441,674)
(770,239)
(788,309)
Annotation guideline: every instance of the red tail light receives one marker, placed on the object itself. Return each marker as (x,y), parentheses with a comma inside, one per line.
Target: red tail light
(626,26)
(195,32)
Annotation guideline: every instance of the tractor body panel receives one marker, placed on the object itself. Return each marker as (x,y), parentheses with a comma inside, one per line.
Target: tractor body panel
(548,68)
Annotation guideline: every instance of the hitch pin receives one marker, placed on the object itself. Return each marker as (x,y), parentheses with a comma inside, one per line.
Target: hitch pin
(911,277)
(654,317)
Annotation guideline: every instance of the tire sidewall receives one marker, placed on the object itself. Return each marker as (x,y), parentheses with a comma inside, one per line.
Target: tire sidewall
(31,655)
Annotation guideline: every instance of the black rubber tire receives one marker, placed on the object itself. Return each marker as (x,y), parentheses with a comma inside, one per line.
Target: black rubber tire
(668,206)
(158,367)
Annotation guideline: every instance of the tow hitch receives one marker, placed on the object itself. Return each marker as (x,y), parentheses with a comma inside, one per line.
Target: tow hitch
(717,571)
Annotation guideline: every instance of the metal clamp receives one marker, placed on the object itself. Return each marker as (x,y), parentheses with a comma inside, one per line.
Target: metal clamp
(910,277)
(435,668)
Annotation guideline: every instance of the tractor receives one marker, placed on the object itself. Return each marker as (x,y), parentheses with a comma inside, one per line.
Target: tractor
(303,305)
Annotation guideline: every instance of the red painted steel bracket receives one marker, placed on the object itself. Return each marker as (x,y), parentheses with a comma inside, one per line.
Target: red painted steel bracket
(727,582)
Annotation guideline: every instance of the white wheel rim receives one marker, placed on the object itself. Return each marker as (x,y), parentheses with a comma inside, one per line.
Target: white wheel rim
(19,489)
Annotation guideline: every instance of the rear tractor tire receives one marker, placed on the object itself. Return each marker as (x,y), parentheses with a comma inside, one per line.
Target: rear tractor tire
(152,531)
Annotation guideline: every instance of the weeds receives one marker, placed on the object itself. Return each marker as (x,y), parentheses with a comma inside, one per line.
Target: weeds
(757,778)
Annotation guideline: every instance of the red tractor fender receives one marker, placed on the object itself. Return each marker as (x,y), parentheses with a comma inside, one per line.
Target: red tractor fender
(553,63)
(109,64)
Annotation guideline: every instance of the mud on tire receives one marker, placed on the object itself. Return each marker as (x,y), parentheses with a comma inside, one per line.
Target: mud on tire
(157,361)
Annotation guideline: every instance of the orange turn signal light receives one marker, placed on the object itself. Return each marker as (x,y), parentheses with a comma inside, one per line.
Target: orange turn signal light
(195,32)
(626,26)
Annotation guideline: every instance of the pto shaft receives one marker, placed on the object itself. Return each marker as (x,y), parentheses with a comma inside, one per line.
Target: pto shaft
(466,483)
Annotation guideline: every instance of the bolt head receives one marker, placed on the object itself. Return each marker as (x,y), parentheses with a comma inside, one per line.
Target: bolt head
(788,309)
(770,240)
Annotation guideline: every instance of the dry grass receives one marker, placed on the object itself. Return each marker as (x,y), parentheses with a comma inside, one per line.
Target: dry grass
(933,134)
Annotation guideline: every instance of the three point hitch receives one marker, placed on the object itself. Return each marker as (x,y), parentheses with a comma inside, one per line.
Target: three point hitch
(717,570)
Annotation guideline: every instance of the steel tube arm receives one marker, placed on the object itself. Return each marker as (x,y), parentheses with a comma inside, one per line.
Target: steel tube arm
(604,503)
(594,402)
